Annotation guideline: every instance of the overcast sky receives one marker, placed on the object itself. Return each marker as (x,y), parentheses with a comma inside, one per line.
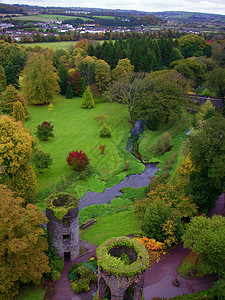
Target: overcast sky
(210,6)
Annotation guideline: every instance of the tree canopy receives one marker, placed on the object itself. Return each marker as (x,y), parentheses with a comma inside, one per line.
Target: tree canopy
(22,245)
(40,82)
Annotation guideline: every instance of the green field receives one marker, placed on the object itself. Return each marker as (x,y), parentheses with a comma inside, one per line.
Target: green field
(76,129)
(54,45)
(104,17)
(45,18)
(120,224)
(57,45)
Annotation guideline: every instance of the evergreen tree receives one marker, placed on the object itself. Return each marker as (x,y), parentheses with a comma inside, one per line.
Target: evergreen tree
(87,99)
(69,91)
(18,112)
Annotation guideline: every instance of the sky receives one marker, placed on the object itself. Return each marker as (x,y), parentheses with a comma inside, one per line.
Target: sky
(210,6)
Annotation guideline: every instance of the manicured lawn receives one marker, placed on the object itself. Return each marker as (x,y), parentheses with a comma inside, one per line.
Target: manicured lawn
(120,224)
(54,45)
(76,129)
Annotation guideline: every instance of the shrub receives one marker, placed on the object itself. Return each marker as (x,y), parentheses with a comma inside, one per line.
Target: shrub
(77,160)
(163,144)
(81,277)
(219,289)
(102,148)
(100,118)
(105,132)
(44,131)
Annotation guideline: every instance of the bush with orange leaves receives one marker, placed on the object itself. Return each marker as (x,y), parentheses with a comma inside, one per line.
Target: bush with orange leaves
(155,249)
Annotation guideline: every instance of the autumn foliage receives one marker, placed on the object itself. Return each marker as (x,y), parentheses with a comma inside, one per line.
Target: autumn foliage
(22,245)
(77,160)
(155,249)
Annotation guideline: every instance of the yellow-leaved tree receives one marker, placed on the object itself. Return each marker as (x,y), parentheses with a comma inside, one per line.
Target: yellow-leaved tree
(22,244)
(40,81)
(15,155)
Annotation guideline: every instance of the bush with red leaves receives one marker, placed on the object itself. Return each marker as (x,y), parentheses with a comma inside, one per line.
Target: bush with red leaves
(77,160)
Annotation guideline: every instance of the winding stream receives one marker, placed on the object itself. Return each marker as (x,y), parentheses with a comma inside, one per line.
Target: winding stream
(135,180)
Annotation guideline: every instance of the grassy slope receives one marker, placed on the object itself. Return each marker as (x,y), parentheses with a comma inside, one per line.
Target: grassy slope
(122,223)
(32,293)
(76,129)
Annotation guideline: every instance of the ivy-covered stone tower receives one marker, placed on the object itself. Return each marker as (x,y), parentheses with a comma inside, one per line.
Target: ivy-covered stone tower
(121,264)
(63,226)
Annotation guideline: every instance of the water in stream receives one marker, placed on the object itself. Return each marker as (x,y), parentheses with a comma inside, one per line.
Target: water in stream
(135,180)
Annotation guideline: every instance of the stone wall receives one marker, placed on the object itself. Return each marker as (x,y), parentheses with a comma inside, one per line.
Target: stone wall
(217,102)
(64,234)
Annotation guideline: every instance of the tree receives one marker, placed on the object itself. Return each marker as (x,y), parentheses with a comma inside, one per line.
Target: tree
(207,111)
(206,146)
(69,91)
(40,82)
(192,45)
(44,131)
(77,160)
(123,66)
(87,99)
(87,69)
(156,217)
(15,155)
(163,94)
(22,245)
(206,237)
(63,76)
(41,160)
(15,144)
(18,112)
(2,79)
(76,81)
(14,63)
(102,75)
(8,98)
(216,81)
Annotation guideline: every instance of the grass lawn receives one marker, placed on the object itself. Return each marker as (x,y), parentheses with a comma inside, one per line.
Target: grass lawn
(65,45)
(76,129)
(34,294)
(120,224)
(45,18)
(54,45)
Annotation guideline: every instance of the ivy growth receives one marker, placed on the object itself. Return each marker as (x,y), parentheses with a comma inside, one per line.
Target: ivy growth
(117,265)
(61,203)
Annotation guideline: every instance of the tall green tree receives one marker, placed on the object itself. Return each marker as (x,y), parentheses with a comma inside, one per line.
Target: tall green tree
(216,81)
(193,45)
(2,79)
(40,81)
(206,146)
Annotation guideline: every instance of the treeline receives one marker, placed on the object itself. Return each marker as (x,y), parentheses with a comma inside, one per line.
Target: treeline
(10,9)
(145,54)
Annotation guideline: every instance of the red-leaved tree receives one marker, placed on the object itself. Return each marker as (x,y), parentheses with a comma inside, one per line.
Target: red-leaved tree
(77,160)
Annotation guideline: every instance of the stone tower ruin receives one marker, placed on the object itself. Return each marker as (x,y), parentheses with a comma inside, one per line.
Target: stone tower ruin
(63,226)
(121,264)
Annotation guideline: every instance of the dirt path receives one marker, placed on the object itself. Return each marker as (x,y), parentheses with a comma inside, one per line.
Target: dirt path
(158,278)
